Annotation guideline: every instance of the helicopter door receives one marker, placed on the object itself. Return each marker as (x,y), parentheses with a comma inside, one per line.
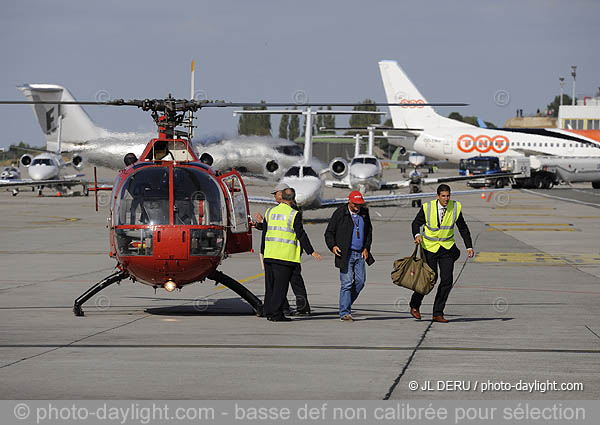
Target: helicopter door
(239,237)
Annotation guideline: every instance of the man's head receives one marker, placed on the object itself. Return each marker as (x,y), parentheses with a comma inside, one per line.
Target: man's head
(355,200)
(443,194)
(277,192)
(288,195)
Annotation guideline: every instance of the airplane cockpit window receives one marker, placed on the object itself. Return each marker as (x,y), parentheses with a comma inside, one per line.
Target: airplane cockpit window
(197,198)
(293,172)
(42,161)
(144,198)
(309,171)
(372,161)
(292,150)
(356,161)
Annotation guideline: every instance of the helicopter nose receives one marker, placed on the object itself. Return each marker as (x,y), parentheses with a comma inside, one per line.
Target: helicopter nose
(42,172)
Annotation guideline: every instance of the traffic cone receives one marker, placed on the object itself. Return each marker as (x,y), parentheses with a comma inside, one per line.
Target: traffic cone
(482,195)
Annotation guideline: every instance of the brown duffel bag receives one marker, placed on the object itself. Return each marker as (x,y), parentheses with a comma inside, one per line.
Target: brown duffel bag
(414,273)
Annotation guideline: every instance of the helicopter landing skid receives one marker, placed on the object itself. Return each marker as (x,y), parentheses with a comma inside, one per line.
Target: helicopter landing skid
(104,283)
(239,289)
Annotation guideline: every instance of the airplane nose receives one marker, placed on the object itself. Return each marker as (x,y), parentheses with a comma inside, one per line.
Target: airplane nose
(41,172)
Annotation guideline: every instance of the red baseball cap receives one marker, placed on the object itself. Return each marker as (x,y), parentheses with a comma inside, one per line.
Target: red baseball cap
(356,197)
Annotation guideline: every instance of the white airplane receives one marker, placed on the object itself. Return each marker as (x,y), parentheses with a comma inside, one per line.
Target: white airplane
(306,180)
(365,172)
(47,170)
(261,156)
(451,140)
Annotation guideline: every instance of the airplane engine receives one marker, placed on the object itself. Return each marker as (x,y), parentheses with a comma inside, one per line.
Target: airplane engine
(272,167)
(25,160)
(402,150)
(207,159)
(77,161)
(338,167)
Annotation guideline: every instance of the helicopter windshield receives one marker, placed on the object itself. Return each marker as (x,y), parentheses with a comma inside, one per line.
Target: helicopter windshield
(144,198)
(197,198)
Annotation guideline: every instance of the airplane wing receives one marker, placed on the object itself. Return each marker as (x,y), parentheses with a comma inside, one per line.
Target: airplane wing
(337,183)
(29,182)
(262,200)
(383,199)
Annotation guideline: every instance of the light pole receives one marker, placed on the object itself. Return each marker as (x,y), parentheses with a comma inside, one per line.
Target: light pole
(562,85)
(573,73)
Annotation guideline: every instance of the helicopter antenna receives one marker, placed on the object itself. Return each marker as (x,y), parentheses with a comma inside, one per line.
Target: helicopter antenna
(191,116)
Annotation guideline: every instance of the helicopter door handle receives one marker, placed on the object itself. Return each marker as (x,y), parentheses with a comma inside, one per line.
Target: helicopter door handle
(183,236)
(158,236)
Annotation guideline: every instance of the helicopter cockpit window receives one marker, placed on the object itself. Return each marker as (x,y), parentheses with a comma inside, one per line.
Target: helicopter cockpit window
(293,172)
(144,198)
(309,171)
(169,150)
(197,198)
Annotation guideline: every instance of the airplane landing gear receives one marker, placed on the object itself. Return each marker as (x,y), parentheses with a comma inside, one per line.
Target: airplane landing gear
(105,283)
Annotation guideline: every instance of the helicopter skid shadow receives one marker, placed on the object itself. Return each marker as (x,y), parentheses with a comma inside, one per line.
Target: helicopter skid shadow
(220,307)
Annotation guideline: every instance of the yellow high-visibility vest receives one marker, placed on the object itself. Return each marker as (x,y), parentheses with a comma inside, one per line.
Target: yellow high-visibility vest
(281,242)
(436,235)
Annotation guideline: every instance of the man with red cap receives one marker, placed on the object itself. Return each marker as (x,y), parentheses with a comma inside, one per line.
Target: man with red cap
(349,236)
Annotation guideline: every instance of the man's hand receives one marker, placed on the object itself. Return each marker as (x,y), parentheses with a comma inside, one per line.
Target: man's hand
(258,217)
(470,252)
(317,256)
(364,254)
(337,251)
(418,240)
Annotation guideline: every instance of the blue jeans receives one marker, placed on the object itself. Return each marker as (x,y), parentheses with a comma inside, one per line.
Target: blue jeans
(353,280)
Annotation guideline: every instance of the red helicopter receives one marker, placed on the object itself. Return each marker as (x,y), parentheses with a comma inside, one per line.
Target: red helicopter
(172,218)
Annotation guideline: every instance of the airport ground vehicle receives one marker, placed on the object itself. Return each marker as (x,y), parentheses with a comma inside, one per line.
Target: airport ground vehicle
(540,172)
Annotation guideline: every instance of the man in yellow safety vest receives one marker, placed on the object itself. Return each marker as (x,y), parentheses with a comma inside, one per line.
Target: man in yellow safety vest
(438,218)
(284,240)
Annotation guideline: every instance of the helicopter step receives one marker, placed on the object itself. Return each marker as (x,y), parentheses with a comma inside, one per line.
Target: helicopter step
(239,289)
(104,283)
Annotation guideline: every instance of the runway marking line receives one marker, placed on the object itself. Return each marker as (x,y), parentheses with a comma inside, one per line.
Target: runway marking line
(537,258)
(531,227)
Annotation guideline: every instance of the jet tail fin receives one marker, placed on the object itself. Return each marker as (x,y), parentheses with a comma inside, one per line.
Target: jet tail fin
(399,89)
(75,127)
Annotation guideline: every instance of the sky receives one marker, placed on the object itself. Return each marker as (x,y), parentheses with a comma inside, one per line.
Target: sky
(245,51)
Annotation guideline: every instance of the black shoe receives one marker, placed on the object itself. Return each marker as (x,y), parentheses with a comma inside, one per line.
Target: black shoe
(279,319)
(287,312)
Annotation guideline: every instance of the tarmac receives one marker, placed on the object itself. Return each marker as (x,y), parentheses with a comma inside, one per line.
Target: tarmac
(524,310)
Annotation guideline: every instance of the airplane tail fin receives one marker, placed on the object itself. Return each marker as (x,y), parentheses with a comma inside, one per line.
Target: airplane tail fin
(399,89)
(76,125)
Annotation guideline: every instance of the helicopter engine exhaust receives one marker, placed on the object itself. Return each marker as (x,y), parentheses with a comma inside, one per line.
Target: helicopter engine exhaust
(207,159)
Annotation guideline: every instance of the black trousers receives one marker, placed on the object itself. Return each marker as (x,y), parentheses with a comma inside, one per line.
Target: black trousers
(277,280)
(444,259)
(297,284)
